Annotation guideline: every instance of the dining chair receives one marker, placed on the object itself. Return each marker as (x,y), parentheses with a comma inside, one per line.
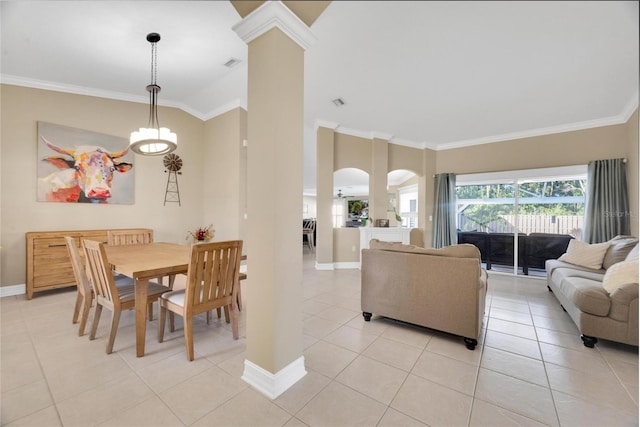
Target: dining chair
(114,298)
(309,229)
(136,236)
(212,283)
(84,298)
(133,236)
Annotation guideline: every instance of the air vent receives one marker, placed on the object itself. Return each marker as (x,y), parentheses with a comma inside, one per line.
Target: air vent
(232,62)
(338,102)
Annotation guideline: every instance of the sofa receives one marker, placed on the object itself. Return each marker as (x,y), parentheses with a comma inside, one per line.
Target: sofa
(597,285)
(442,289)
(533,249)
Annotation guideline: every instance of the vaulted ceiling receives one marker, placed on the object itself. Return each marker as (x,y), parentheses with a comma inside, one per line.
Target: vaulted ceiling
(428,74)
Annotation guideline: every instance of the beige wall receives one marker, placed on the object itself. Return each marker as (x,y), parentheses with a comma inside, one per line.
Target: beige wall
(562,149)
(346,244)
(224,190)
(337,246)
(22,108)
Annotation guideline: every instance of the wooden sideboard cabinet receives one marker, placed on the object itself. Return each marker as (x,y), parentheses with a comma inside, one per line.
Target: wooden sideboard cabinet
(48,263)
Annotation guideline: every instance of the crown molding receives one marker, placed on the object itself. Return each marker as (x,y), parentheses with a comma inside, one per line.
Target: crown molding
(274,14)
(409,143)
(236,103)
(569,127)
(98,93)
(380,135)
(325,124)
(77,90)
(353,132)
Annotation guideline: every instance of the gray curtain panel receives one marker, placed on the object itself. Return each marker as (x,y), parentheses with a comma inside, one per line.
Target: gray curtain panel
(444,210)
(607,202)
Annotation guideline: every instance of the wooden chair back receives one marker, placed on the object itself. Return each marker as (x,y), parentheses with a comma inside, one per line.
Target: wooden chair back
(101,274)
(212,277)
(134,236)
(79,270)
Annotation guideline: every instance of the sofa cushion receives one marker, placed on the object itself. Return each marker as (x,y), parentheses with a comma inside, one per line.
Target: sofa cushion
(585,254)
(464,250)
(560,273)
(619,249)
(553,264)
(633,254)
(587,295)
(620,274)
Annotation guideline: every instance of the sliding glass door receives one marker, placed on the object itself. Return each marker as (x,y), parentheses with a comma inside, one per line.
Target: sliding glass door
(519,219)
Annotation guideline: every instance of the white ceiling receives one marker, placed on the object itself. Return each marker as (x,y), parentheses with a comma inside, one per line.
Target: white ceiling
(427,74)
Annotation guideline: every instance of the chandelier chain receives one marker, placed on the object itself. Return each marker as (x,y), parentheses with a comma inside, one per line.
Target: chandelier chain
(154,63)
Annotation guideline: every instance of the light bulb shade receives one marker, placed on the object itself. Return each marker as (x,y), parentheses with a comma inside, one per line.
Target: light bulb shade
(153,142)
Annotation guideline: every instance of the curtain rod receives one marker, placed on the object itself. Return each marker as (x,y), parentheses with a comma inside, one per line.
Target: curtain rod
(624,160)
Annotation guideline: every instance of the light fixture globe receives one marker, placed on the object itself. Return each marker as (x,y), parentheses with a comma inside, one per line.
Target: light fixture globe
(153,140)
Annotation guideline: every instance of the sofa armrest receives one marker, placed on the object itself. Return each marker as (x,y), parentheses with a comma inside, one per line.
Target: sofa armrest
(621,300)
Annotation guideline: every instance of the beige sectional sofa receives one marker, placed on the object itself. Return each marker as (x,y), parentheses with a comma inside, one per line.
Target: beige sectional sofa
(442,289)
(602,302)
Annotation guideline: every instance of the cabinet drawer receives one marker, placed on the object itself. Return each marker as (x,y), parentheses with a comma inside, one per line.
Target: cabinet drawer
(48,263)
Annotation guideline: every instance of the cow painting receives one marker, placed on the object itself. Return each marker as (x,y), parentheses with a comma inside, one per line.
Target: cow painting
(85,173)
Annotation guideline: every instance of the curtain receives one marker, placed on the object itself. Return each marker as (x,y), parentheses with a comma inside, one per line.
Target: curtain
(444,207)
(607,202)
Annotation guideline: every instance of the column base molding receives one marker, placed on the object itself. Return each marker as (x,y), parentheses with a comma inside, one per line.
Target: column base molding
(273,385)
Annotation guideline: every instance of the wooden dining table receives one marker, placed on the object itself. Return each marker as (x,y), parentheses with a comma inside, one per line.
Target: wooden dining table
(145,262)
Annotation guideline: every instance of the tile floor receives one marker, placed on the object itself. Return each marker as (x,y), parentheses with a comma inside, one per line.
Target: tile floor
(530,368)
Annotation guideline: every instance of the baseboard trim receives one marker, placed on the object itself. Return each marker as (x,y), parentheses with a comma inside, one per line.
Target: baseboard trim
(9,291)
(273,385)
(346,265)
(324,266)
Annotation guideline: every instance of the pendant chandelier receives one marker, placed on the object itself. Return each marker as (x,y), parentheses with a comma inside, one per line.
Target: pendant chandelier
(153,140)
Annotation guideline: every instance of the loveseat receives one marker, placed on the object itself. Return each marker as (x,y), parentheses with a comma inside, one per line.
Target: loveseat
(442,289)
(597,285)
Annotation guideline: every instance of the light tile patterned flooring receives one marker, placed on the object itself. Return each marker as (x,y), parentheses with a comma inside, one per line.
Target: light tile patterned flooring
(530,368)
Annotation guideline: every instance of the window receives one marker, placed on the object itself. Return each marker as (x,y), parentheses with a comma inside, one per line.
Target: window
(515,209)
(409,206)
(338,213)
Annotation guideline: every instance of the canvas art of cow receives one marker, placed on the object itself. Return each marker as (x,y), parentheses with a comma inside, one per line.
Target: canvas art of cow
(85,174)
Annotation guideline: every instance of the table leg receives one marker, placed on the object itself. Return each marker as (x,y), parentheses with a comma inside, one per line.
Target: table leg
(142,291)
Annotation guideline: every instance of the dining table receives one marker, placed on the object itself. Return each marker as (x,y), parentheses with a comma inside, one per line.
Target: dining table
(143,263)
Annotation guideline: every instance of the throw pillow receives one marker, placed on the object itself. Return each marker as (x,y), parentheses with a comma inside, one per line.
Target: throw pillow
(584,254)
(633,254)
(620,274)
(619,249)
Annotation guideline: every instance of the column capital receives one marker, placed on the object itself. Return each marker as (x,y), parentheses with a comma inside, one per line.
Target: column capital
(274,14)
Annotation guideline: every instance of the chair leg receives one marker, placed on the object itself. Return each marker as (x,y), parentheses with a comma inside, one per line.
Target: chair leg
(234,323)
(226,314)
(172,322)
(162,317)
(86,307)
(172,279)
(188,336)
(96,320)
(239,298)
(219,312)
(209,317)
(150,311)
(76,309)
(115,320)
